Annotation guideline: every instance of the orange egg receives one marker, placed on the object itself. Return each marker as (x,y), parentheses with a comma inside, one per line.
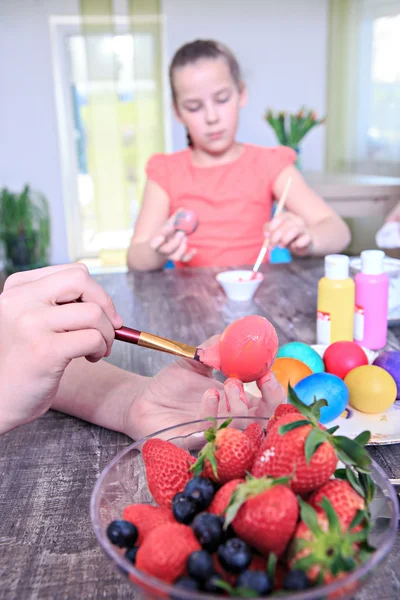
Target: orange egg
(290,370)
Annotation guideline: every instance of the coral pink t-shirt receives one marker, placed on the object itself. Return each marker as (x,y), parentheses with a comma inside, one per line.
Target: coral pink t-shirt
(232,201)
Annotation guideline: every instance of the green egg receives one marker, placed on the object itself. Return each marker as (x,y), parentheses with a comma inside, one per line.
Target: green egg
(302,352)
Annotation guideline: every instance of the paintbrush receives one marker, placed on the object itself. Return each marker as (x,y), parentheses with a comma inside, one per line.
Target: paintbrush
(264,247)
(148,340)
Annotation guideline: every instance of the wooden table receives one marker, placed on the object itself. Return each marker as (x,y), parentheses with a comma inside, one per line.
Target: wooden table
(48,468)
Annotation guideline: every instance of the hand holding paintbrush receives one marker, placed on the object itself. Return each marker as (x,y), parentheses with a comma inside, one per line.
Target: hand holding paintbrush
(265,246)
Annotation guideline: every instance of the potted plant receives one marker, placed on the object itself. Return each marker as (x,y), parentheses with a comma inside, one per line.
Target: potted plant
(290,128)
(24,229)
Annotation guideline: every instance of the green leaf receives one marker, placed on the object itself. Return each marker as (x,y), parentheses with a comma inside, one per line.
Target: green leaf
(359,536)
(359,517)
(352,453)
(333,430)
(305,563)
(291,426)
(225,424)
(368,486)
(309,516)
(295,401)
(245,592)
(334,523)
(271,566)
(354,482)
(315,438)
(213,464)
(363,438)
(340,474)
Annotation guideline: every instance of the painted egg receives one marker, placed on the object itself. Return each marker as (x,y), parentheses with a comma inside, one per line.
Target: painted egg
(341,357)
(324,386)
(390,361)
(372,389)
(290,370)
(247,348)
(304,353)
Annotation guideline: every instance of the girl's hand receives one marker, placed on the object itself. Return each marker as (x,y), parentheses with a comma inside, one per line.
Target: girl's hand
(42,328)
(172,244)
(288,230)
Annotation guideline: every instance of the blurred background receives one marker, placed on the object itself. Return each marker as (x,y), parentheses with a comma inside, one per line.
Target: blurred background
(85,102)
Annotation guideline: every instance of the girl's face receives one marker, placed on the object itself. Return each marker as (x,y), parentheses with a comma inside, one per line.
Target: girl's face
(208,102)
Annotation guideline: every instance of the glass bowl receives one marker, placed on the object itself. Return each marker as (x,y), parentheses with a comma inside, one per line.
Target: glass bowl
(123,482)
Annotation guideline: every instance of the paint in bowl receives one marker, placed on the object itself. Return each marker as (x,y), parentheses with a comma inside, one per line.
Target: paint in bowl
(238,285)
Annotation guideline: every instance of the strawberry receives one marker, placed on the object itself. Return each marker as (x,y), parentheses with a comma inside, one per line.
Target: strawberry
(165,551)
(255,433)
(344,499)
(167,469)
(228,454)
(323,547)
(284,455)
(280,411)
(300,447)
(147,517)
(223,497)
(264,512)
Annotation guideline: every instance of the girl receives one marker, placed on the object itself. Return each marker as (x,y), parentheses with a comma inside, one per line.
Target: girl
(228,184)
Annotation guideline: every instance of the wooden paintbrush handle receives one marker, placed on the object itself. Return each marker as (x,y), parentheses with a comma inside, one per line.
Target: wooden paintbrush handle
(149,340)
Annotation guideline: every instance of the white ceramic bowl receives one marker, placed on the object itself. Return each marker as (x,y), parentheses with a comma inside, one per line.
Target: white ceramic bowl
(238,284)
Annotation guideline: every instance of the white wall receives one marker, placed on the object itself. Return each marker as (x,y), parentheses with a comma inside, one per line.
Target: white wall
(282,50)
(280,45)
(29,150)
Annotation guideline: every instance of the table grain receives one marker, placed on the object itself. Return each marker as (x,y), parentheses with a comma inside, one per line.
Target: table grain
(48,468)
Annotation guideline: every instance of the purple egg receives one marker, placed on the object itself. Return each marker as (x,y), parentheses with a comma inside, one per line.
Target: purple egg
(390,361)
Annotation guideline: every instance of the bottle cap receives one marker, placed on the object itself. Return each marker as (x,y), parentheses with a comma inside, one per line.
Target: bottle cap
(372,262)
(337,266)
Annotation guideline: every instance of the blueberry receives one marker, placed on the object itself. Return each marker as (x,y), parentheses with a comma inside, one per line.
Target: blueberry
(255,580)
(229,531)
(122,533)
(200,565)
(187,583)
(184,509)
(211,586)
(130,554)
(234,555)
(208,530)
(200,490)
(296,580)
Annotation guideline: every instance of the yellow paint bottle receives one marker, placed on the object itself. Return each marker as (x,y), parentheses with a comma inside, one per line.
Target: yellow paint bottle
(335,305)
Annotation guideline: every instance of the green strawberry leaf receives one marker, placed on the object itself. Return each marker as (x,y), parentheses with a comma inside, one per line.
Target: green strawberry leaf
(355,482)
(340,474)
(333,430)
(309,516)
(359,517)
(359,536)
(315,438)
(271,566)
(245,592)
(225,424)
(297,403)
(291,426)
(305,563)
(363,438)
(207,453)
(334,523)
(368,486)
(351,453)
